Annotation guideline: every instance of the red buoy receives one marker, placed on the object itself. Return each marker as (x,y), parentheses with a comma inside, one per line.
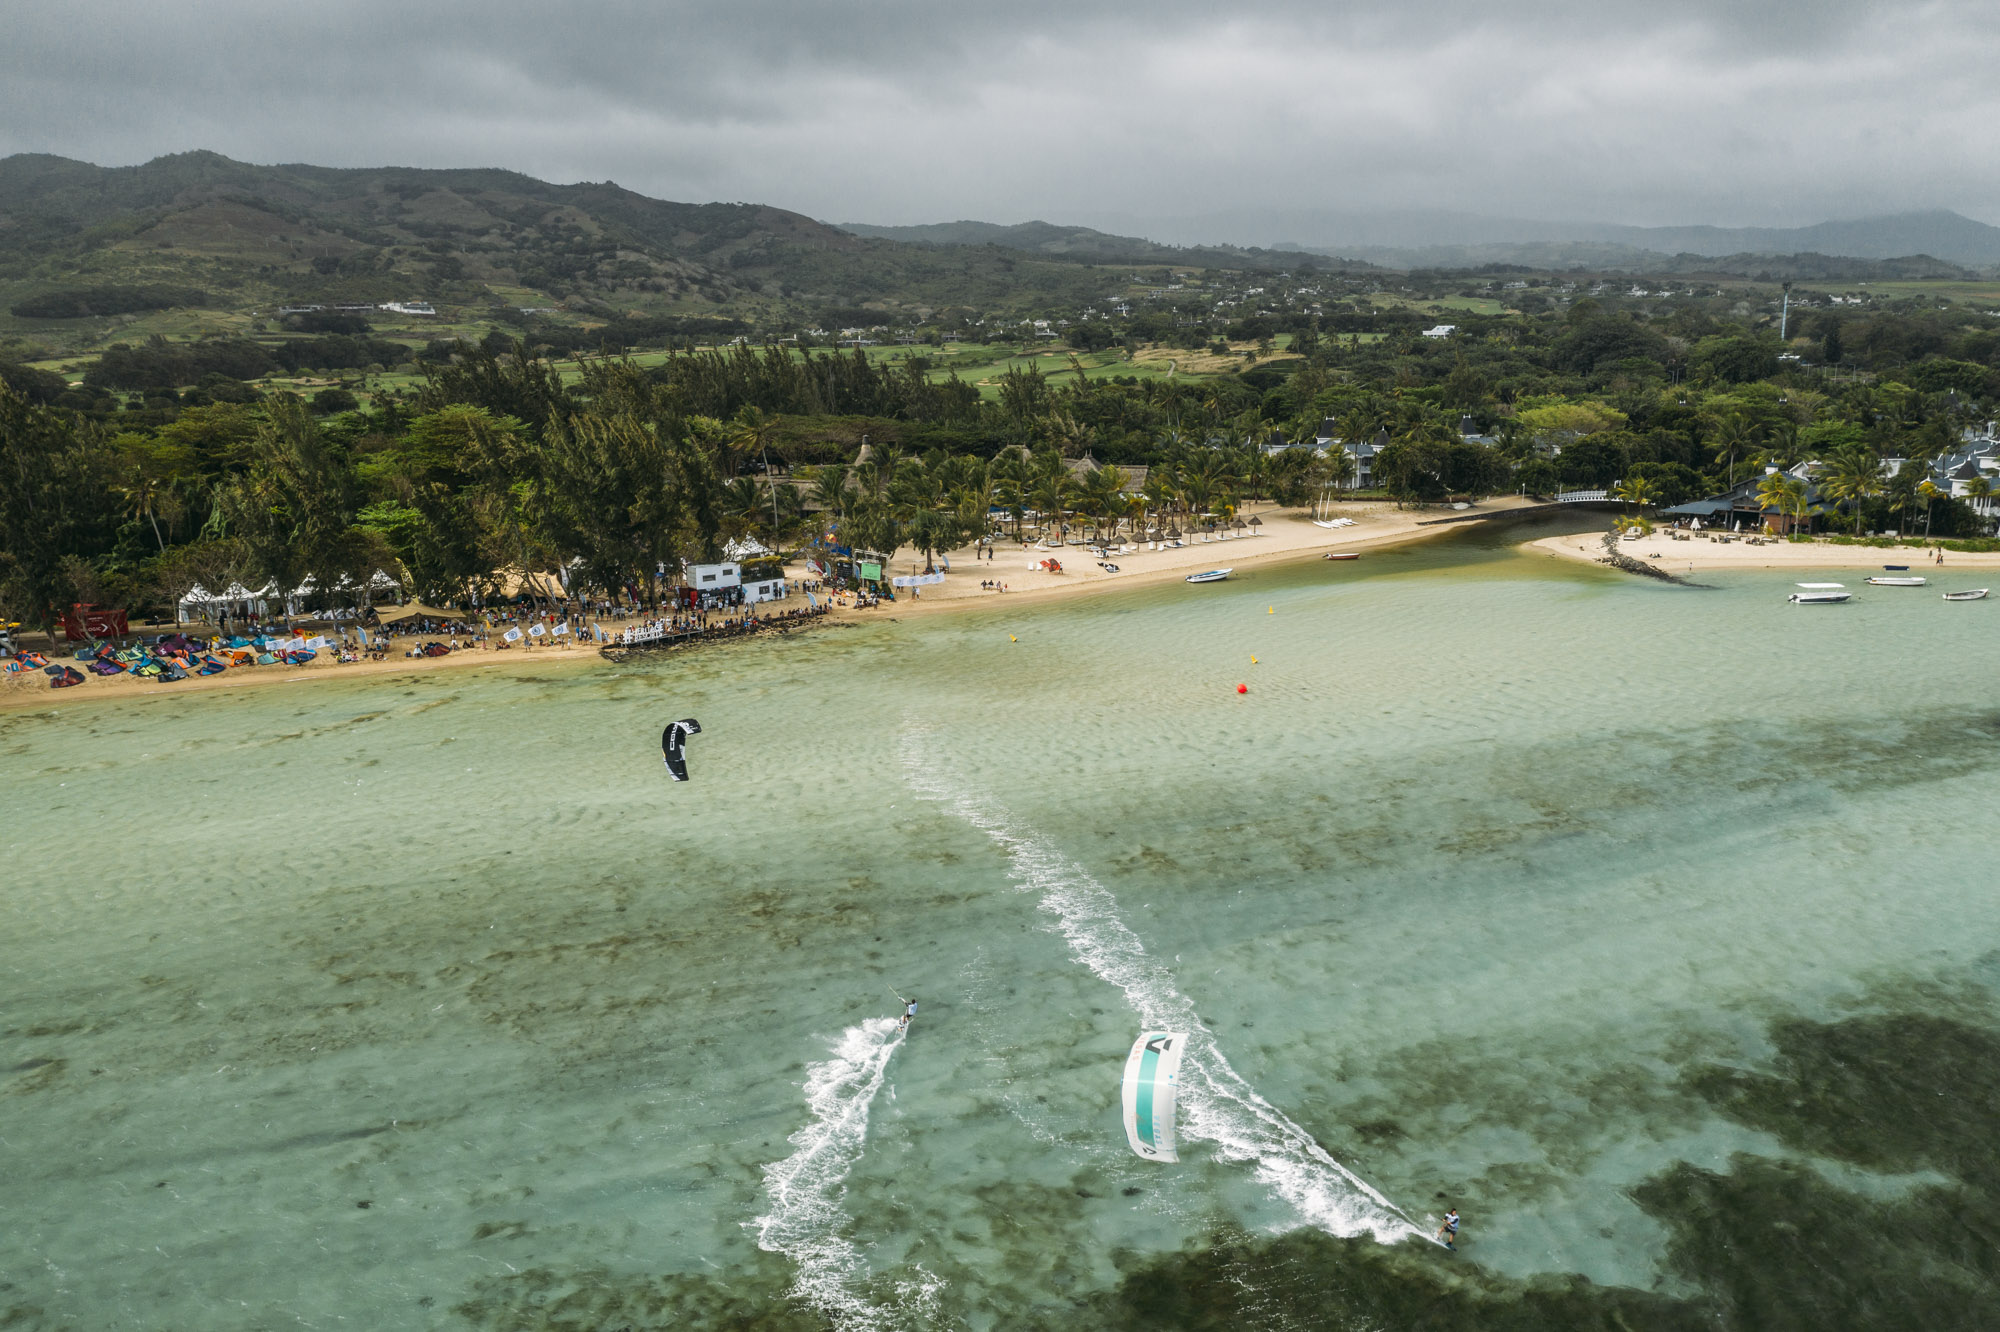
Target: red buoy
(1243,689)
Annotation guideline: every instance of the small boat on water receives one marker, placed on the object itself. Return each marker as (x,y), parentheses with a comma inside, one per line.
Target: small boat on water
(1210,576)
(1976,594)
(1819,587)
(1892,568)
(1897,582)
(1818,598)
(1342,555)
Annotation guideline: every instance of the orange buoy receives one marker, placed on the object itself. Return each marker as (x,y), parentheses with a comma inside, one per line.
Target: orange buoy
(1243,689)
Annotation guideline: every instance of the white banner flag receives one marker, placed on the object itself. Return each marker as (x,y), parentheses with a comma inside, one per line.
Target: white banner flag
(536,631)
(559,630)
(513,635)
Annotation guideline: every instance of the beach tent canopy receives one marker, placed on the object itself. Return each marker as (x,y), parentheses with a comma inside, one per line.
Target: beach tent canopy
(418,611)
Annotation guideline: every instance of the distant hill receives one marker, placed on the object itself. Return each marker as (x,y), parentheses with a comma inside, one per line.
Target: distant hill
(1948,236)
(1939,233)
(1082,244)
(90,242)
(1601,257)
(377,234)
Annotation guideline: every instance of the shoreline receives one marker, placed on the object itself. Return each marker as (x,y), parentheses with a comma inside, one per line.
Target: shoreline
(1288,535)
(1680,558)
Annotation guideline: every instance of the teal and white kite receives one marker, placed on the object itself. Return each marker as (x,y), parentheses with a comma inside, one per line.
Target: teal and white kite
(1152,1087)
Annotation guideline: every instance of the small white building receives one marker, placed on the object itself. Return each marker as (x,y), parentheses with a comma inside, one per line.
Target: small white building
(714,577)
(763,589)
(1440,330)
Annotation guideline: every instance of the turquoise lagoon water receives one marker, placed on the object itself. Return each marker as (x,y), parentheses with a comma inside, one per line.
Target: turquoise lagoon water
(429,1002)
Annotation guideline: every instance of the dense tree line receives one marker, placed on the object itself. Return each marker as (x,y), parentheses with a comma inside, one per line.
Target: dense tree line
(501,464)
(162,364)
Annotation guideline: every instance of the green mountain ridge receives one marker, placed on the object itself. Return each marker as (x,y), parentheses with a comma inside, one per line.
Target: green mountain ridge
(1091,246)
(245,236)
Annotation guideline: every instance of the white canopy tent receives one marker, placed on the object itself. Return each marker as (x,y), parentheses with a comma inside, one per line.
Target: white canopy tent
(239,601)
(236,601)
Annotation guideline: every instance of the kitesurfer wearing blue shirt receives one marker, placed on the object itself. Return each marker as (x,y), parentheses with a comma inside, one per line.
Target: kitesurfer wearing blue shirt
(1448,1232)
(909,1014)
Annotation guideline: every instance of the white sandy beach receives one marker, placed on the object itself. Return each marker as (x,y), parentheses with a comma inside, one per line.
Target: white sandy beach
(1693,556)
(1285,534)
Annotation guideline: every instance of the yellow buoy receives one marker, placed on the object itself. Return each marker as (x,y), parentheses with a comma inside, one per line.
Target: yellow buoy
(1253,661)
(1270,610)
(1012,639)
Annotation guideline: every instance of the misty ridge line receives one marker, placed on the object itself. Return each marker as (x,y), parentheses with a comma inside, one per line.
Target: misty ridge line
(1415,239)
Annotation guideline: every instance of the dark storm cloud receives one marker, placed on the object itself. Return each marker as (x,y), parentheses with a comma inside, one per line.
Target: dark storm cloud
(893,111)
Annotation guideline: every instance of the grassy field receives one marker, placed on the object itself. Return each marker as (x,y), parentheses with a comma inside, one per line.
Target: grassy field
(979,364)
(1485,305)
(1980,295)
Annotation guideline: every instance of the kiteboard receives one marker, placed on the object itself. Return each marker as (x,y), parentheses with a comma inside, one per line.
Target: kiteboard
(1151,1092)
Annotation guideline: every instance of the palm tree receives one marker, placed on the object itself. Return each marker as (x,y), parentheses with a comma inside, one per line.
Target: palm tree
(1979,488)
(1930,494)
(829,488)
(1853,476)
(1786,494)
(1733,436)
(1638,492)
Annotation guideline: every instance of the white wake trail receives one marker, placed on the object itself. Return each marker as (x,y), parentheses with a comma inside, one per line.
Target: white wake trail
(1219,1106)
(804,1191)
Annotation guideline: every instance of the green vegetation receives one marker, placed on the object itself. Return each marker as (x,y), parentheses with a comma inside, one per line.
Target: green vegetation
(568,405)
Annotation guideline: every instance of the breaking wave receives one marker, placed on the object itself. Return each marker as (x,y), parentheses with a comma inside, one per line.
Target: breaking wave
(803,1192)
(1218,1106)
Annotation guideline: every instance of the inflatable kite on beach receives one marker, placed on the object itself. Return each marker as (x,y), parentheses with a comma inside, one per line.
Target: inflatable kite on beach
(673,741)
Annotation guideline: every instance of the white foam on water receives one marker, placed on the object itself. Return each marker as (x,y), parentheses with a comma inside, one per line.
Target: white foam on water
(1218,1106)
(804,1191)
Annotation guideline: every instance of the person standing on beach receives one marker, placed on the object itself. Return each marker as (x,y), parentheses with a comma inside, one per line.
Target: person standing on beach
(1447,1232)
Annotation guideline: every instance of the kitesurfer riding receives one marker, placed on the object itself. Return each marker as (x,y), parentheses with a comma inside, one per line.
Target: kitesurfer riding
(1448,1231)
(909,1014)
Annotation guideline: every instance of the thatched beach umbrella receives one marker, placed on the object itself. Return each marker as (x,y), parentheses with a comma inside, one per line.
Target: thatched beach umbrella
(1256,521)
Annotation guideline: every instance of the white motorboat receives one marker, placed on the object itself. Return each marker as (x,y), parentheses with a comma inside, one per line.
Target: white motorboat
(1342,555)
(1819,587)
(1818,598)
(1210,576)
(1976,594)
(1897,582)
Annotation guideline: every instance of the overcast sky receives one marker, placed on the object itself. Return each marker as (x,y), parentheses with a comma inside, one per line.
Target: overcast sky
(1739,112)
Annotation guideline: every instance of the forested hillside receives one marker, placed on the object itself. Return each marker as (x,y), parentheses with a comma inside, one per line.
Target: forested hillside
(198,229)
